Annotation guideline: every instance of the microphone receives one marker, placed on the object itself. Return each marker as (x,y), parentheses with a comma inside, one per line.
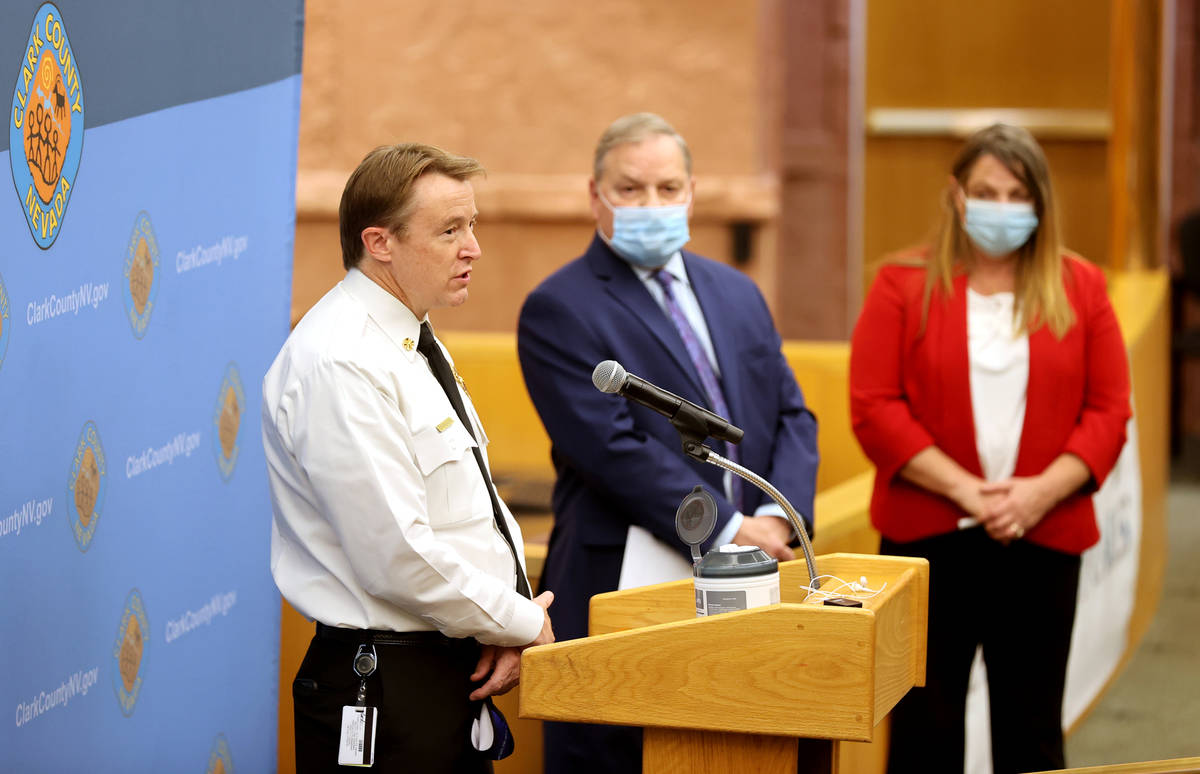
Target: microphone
(610,377)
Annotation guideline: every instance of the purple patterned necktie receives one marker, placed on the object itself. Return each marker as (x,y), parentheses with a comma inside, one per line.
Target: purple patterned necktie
(708,379)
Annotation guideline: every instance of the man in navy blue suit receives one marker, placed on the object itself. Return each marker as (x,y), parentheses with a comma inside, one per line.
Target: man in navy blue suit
(693,326)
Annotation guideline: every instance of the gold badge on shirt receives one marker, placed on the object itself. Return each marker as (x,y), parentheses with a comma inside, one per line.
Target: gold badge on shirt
(461,383)
(409,344)
(445,424)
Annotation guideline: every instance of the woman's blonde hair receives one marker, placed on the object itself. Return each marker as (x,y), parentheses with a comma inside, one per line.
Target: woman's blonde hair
(1041,298)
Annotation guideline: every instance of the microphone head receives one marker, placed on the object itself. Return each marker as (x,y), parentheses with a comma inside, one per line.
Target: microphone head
(608,376)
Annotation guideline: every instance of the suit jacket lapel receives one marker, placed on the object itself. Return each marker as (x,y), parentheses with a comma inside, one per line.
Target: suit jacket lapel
(724,338)
(956,392)
(626,289)
(1041,348)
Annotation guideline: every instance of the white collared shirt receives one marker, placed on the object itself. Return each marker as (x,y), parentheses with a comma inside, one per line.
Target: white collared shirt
(381,517)
(999,363)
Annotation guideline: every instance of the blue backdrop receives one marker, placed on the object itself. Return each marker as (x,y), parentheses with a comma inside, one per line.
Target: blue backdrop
(145,275)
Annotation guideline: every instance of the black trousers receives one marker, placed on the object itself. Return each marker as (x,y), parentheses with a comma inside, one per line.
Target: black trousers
(1018,602)
(420,690)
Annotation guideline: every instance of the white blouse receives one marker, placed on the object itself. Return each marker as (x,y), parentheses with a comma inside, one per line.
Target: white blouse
(999,362)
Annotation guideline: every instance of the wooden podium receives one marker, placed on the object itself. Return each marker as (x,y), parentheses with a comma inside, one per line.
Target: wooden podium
(733,692)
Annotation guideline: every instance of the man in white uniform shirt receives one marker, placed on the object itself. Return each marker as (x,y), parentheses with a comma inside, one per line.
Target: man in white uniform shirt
(387,530)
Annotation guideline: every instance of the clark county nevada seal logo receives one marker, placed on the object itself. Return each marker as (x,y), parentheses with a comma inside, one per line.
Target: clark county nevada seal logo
(141,275)
(227,421)
(129,652)
(4,323)
(45,131)
(86,486)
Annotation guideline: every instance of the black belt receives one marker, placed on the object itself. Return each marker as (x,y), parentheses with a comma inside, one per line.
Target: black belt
(381,636)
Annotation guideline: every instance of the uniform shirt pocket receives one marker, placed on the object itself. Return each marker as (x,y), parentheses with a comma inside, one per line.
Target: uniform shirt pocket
(453,484)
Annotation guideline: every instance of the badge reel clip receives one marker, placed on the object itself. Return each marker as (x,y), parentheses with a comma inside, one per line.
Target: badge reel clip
(365,662)
(356,746)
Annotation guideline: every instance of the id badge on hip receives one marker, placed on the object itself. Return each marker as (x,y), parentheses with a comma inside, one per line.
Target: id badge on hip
(356,745)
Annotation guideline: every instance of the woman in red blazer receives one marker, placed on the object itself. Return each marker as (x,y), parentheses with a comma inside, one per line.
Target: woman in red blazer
(989,384)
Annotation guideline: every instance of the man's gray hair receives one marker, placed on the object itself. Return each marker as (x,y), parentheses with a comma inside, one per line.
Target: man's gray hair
(636,127)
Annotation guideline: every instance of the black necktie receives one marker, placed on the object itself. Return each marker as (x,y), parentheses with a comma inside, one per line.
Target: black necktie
(427,346)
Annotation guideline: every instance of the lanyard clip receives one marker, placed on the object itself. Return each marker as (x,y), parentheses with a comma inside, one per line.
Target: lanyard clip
(365,662)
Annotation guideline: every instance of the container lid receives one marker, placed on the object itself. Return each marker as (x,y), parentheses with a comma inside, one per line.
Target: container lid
(733,561)
(696,517)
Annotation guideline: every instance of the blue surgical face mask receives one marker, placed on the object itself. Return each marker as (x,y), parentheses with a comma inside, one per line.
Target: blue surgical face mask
(999,228)
(647,237)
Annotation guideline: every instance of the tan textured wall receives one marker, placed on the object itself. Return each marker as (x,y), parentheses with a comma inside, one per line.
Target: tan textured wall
(527,89)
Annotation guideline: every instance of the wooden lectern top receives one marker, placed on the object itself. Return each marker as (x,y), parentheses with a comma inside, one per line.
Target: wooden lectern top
(794,669)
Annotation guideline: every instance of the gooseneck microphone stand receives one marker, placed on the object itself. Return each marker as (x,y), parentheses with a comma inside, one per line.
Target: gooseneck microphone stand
(694,424)
(692,432)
